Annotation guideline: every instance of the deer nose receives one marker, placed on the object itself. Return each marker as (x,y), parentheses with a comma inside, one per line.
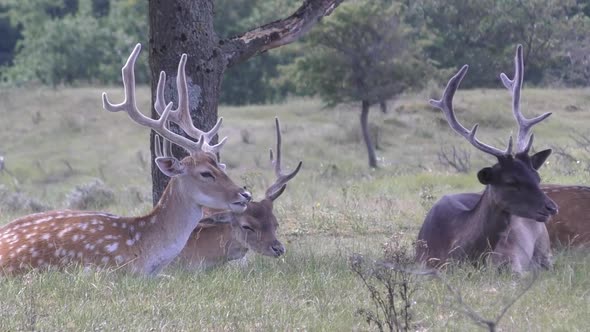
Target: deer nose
(278,249)
(246,195)
(552,208)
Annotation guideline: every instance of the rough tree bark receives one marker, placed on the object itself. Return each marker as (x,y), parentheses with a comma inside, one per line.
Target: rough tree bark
(365,106)
(186,26)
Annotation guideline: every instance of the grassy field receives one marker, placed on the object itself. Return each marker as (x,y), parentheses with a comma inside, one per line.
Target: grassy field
(54,140)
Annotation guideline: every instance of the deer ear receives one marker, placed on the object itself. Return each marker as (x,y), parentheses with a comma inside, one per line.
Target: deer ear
(539,158)
(485,175)
(170,166)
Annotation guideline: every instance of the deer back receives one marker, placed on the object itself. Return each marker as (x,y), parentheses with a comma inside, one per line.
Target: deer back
(571,226)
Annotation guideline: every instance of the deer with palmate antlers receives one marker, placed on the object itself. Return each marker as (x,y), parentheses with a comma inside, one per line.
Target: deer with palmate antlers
(142,245)
(466,226)
(225,236)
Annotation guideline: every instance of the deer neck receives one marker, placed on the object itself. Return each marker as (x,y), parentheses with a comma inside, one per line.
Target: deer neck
(167,228)
(235,248)
(484,226)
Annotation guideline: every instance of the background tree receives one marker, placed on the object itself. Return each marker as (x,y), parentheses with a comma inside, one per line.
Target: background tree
(483,33)
(363,53)
(187,26)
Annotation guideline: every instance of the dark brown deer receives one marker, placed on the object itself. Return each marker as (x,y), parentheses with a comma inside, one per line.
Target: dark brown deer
(227,235)
(466,226)
(523,246)
(527,244)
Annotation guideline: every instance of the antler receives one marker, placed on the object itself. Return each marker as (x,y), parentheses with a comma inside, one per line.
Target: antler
(514,86)
(163,148)
(280,183)
(181,115)
(160,125)
(445,104)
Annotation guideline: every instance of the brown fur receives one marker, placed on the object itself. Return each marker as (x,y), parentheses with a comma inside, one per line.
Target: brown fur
(213,243)
(139,244)
(571,226)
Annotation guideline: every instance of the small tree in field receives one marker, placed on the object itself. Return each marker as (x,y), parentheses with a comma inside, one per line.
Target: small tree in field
(363,52)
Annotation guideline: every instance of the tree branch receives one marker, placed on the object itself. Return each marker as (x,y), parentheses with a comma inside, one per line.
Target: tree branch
(278,33)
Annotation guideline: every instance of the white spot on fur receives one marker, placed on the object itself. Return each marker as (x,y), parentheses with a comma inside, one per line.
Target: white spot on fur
(111,247)
(105,259)
(64,231)
(45,237)
(39,221)
(129,242)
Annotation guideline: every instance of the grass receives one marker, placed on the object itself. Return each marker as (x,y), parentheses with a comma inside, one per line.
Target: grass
(335,207)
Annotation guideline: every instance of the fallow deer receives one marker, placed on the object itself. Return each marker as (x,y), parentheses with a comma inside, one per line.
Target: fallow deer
(527,244)
(571,226)
(142,245)
(226,236)
(466,226)
(523,246)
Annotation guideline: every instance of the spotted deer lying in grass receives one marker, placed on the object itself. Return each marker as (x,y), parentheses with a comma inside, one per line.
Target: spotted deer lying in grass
(571,226)
(142,245)
(228,235)
(467,226)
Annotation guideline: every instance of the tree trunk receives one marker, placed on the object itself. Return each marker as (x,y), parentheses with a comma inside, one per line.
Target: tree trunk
(176,27)
(367,135)
(186,26)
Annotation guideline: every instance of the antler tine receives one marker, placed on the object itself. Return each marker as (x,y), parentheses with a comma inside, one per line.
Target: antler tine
(129,106)
(181,115)
(282,179)
(157,147)
(514,86)
(162,147)
(445,104)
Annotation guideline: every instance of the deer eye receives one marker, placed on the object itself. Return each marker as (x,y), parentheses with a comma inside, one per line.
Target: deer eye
(512,184)
(247,228)
(207,175)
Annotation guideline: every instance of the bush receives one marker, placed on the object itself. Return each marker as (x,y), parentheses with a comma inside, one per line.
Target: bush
(90,195)
(19,202)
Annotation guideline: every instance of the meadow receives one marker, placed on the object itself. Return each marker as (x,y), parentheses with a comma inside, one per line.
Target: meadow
(53,140)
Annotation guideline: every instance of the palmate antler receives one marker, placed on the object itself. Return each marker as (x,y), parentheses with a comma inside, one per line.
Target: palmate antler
(445,104)
(179,116)
(514,86)
(277,188)
(524,125)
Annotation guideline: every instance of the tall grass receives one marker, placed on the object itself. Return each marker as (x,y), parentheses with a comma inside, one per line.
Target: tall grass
(335,207)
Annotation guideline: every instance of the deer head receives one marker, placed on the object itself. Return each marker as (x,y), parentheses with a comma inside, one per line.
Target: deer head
(200,176)
(254,228)
(513,182)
